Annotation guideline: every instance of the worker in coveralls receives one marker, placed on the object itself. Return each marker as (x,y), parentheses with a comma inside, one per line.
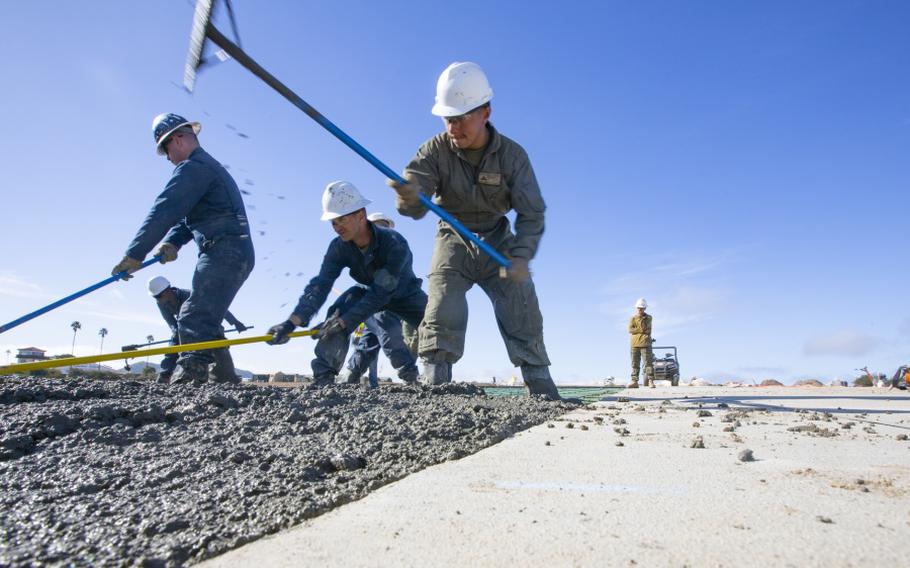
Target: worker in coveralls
(378,259)
(170,299)
(640,330)
(382,330)
(201,202)
(477,175)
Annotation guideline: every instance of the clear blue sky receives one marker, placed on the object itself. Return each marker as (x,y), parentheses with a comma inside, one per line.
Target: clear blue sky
(742,165)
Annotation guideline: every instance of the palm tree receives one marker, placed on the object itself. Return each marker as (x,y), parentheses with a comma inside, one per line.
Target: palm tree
(76,327)
(102,332)
(150,338)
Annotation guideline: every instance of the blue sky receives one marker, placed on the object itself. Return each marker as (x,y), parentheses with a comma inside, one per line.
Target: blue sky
(742,165)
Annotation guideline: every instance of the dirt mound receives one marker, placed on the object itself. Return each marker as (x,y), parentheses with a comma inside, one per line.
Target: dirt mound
(771,383)
(808,383)
(128,472)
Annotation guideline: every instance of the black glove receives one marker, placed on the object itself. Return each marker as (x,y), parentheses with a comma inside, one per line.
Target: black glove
(280,333)
(240,327)
(332,325)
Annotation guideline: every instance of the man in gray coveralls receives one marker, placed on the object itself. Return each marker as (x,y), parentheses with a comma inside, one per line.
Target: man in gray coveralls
(477,175)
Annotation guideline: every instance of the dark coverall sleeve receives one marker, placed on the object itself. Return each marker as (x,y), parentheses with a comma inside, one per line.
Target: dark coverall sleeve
(185,188)
(385,282)
(424,169)
(529,207)
(318,289)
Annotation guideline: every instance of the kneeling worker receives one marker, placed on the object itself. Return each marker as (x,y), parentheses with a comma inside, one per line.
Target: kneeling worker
(170,299)
(378,259)
(382,330)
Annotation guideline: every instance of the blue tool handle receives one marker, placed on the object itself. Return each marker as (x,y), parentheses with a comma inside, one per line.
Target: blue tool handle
(234,51)
(71,297)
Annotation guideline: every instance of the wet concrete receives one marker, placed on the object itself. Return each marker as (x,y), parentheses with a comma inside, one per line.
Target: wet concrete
(124,473)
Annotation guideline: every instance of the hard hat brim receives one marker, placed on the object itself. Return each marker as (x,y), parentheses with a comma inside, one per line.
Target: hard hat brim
(329,215)
(196,129)
(446,111)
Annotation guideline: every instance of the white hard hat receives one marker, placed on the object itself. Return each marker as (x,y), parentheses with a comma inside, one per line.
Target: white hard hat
(377,216)
(158,285)
(341,198)
(641,303)
(461,88)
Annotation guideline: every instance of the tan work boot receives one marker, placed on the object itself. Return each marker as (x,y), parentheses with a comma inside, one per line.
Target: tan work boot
(632,385)
(651,384)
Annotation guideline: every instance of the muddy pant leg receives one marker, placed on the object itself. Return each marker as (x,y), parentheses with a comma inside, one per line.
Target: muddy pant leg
(409,333)
(221,270)
(636,363)
(446,318)
(648,356)
(366,350)
(519,319)
(330,352)
(388,329)
(223,369)
(168,364)
(332,349)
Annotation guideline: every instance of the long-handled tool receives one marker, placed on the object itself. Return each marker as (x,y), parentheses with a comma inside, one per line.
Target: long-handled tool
(71,297)
(135,346)
(203,29)
(217,344)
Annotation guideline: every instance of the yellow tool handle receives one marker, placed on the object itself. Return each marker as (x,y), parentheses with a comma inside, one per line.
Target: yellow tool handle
(70,361)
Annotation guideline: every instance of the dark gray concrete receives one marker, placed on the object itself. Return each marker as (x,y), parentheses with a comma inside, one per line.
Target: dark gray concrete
(122,473)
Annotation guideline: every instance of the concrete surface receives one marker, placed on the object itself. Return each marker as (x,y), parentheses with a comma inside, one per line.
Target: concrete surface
(830,493)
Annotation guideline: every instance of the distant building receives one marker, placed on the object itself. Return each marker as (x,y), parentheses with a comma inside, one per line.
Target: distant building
(30,355)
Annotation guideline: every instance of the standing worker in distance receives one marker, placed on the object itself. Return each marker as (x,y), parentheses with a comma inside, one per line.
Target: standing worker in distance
(378,259)
(640,329)
(382,330)
(201,202)
(477,175)
(169,300)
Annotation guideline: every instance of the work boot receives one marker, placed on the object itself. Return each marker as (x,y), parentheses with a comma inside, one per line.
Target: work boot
(538,380)
(632,385)
(163,378)
(223,370)
(436,373)
(346,377)
(190,371)
(651,383)
(410,376)
(323,381)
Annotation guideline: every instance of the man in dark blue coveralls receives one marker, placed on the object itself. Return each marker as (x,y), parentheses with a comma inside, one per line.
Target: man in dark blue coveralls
(169,300)
(381,330)
(201,202)
(378,259)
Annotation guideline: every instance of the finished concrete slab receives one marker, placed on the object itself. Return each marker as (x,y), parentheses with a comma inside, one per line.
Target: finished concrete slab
(620,484)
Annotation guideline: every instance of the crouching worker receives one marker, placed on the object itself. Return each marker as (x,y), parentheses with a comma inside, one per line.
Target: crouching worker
(170,299)
(381,330)
(378,259)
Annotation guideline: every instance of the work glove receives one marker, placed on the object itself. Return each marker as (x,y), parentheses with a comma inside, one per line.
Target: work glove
(519,271)
(240,327)
(280,333)
(128,264)
(332,325)
(167,252)
(408,193)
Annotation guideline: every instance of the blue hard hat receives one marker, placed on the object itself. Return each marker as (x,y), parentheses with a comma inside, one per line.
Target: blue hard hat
(166,123)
